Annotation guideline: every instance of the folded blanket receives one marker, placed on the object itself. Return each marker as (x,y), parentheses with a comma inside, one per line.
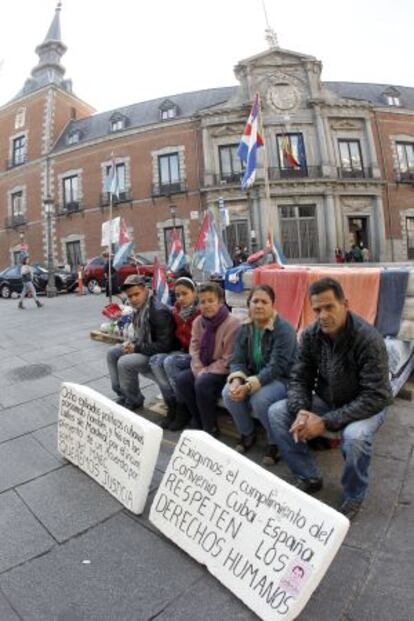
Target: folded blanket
(393,288)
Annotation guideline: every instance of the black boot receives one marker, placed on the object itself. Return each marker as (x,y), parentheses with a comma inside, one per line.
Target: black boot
(170,417)
(246,442)
(182,418)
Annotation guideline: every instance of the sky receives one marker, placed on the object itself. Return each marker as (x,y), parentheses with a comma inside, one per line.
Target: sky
(128,51)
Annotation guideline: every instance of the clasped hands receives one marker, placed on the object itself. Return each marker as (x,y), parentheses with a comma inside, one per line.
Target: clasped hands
(129,348)
(307,426)
(238,389)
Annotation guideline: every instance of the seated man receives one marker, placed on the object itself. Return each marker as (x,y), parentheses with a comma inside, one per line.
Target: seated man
(151,332)
(340,382)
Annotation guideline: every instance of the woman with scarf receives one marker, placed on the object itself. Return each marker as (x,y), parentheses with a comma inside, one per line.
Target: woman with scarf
(264,353)
(165,367)
(212,339)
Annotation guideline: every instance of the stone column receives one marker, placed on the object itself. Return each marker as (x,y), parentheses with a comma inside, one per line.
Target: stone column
(330,225)
(323,142)
(376,172)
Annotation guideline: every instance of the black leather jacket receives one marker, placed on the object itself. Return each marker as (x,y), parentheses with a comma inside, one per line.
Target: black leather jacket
(350,374)
(162,328)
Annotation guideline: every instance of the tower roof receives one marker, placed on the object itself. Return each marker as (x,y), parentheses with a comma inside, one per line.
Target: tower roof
(49,70)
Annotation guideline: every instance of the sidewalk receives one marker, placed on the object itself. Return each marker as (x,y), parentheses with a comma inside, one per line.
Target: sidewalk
(70,552)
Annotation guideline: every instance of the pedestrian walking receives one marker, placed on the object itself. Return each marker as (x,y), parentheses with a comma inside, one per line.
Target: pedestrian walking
(26,273)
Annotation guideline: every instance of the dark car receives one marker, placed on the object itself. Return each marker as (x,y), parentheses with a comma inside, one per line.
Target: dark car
(94,272)
(11,281)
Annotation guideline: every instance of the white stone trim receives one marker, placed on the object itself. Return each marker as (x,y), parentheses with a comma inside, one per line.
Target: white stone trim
(180,149)
(20,118)
(70,173)
(118,160)
(14,190)
(19,134)
(394,138)
(406,213)
(73,237)
(167,224)
(48,122)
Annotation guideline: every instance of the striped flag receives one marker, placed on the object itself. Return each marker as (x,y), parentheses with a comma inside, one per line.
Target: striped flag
(278,255)
(112,180)
(211,255)
(288,155)
(159,283)
(177,258)
(250,141)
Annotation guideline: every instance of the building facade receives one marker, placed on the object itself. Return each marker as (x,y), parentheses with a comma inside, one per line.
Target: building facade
(337,168)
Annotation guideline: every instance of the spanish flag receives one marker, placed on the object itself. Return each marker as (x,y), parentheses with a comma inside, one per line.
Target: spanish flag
(288,155)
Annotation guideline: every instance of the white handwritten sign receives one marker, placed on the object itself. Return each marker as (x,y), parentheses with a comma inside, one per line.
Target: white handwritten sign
(116,447)
(267,542)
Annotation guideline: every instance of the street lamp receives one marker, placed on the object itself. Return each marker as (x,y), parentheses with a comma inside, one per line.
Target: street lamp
(49,206)
(173,212)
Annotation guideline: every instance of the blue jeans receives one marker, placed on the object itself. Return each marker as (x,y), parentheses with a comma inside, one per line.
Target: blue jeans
(123,371)
(256,405)
(28,287)
(356,447)
(165,368)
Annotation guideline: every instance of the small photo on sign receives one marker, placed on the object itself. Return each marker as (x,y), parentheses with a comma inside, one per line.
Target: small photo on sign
(266,541)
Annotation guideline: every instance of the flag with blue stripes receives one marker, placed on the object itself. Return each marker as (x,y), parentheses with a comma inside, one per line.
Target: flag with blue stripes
(211,254)
(177,258)
(251,140)
(112,180)
(159,283)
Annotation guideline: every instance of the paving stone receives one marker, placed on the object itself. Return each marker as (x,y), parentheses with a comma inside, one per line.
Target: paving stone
(13,395)
(132,575)
(388,593)
(22,419)
(47,437)
(24,459)
(83,373)
(341,581)
(207,599)
(6,612)
(68,502)
(22,537)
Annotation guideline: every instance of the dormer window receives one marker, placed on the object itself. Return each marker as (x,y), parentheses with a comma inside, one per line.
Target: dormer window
(392,97)
(73,137)
(117,122)
(168,110)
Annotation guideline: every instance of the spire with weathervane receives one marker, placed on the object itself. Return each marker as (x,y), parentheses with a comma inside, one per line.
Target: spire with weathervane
(49,70)
(270,34)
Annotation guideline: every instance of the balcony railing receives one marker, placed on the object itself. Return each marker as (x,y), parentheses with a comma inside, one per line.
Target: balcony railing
(15,220)
(166,189)
(69,208)
(124,197)
(355,173)
(228,179)
(405,177)
(16,161)
(304,172)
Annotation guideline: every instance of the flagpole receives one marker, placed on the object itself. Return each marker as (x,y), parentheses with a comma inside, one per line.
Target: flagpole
(110,250)
(271,221)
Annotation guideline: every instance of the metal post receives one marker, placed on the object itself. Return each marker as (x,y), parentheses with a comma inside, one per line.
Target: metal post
(51,290)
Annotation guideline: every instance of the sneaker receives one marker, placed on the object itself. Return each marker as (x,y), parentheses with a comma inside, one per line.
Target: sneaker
(349,508)
(21,306)
(120,401)
(246,442)
(134,406)
(271,457)
(309,486)
(39,305)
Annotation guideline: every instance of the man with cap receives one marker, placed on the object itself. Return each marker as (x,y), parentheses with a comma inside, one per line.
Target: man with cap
(150,332)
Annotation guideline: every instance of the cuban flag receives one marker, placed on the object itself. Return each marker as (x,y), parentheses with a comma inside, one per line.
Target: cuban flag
(250,141)
(211,254)
(275,250)
(159,283)
(177,258)
(112,180)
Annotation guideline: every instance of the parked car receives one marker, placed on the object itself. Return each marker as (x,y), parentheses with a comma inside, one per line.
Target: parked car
(11,281)
(94,271)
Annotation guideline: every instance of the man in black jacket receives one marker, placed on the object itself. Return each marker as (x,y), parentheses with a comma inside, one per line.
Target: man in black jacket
(151,332)
(340,383)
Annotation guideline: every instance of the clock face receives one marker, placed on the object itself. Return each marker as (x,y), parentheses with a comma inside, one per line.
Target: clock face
(282,96)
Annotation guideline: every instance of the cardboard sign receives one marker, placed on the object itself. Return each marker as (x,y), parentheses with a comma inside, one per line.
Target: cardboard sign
(116,447)
(266,541)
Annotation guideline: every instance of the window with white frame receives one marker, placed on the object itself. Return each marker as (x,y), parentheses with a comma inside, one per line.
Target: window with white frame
(393,100)
(299,232)
(19,150)
(169,169)
(230,163)
(17,204)
(351,158)
(71,191)
(405,157)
